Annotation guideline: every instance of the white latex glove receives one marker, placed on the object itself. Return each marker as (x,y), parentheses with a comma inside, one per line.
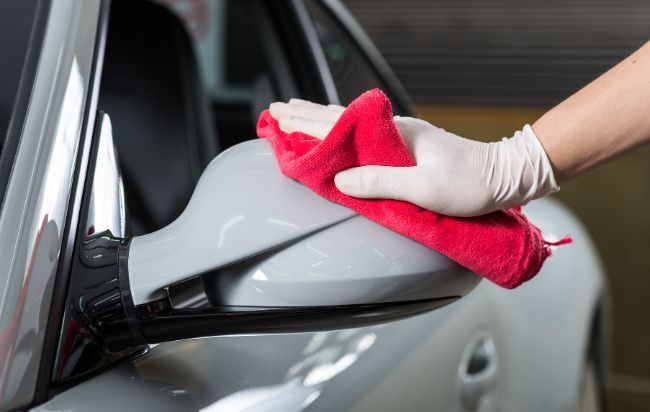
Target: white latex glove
(454,176)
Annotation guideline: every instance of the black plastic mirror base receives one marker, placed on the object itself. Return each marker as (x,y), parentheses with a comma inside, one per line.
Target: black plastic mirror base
(96,330)
(102,325)
(160,322)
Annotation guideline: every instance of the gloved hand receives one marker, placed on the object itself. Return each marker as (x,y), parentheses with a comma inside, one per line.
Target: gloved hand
(454,176)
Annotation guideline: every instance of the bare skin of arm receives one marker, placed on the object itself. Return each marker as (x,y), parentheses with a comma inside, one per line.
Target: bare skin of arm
(608,117)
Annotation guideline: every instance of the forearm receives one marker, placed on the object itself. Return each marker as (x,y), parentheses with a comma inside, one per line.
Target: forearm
(608,117)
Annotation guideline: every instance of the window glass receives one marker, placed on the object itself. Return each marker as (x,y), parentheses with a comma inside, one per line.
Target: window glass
(227,42)
(352,72)
(182,80)
(16,20)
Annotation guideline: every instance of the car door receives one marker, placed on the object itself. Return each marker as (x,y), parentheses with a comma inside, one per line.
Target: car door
(441,360)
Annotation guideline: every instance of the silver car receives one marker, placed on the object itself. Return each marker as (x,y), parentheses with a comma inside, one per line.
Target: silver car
(153,257)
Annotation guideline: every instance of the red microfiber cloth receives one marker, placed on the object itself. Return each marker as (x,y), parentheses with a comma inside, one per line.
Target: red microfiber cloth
(502,246)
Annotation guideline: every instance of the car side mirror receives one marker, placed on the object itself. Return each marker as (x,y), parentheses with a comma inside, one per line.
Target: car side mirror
(253,252)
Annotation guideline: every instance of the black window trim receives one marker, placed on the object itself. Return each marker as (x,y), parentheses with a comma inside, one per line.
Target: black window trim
(317,52)
(370,52)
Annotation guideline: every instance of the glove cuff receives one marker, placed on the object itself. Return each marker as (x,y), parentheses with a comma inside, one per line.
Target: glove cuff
(521,170)
(544,179)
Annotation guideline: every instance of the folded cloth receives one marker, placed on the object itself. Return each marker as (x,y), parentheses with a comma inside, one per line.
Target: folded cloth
(502,246)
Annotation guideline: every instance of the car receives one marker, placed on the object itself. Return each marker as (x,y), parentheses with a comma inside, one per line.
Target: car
(154,257)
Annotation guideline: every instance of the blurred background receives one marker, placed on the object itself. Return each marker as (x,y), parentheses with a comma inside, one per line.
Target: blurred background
(484,69)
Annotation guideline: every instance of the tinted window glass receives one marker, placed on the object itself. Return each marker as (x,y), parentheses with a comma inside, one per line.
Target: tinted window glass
(16,20)
(188,83)
(226,38)
(352,72)
(244,56)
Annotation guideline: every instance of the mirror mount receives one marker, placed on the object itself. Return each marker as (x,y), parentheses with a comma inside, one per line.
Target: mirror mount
(101,303)
(105,303)
(106,306)
(98,323)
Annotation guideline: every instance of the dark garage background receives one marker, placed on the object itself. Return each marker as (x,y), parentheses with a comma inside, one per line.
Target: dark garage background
(482,69)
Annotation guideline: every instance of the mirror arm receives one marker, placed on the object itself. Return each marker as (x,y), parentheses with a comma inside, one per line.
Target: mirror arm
(160,322)
(106,308)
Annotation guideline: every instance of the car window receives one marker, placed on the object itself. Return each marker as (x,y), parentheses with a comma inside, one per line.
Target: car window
(226,40)
(351,70)
(179,89)
(239,59)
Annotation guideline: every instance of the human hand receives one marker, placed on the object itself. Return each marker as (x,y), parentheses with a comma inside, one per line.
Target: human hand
(453,176)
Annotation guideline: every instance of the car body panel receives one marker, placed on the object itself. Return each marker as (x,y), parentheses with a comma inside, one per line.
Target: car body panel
(411,364)
(36,202)
(550,317)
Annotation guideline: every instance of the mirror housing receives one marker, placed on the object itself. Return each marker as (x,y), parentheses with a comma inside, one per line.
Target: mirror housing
(253,252)
(258,238)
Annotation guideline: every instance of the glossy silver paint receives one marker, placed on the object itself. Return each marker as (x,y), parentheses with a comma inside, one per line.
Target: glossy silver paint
(296,248)
(34,211)
(353,262)
(539,332)
(478,372)
(241,206)
(542,333)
